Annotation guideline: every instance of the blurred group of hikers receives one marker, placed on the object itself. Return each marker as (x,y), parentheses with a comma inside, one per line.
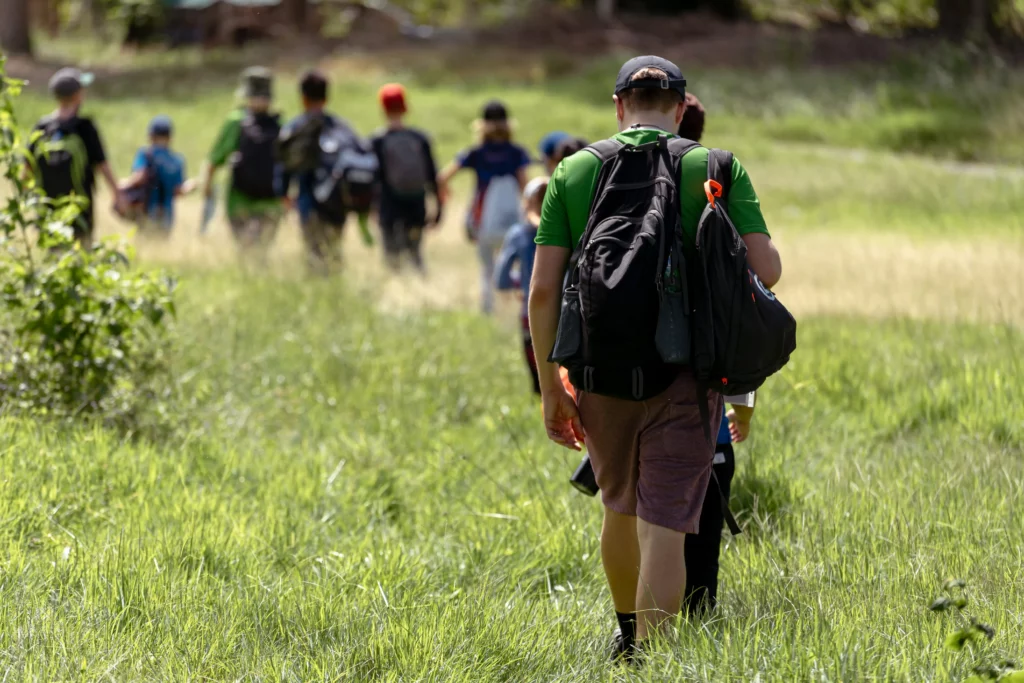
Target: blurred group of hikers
(643,262)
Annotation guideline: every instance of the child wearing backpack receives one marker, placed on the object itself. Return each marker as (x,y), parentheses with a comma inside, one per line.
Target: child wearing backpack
(157,180)
(247,142)
(407,174)
(519,249)
(334,168)
(500,167)
(67,152)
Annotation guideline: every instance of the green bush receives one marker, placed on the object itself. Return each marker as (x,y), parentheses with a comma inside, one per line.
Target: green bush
(81,332)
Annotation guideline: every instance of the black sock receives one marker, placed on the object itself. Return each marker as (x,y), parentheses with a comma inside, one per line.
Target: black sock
(627,626)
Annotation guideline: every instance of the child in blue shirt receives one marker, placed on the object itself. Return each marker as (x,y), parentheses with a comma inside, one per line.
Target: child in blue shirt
(519,248)
(500,167)
(158,178)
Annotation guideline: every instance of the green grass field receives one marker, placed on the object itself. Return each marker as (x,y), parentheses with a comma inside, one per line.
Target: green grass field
(352,483)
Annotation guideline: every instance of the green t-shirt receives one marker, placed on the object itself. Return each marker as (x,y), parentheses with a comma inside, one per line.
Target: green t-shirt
(571,191)
(226,144)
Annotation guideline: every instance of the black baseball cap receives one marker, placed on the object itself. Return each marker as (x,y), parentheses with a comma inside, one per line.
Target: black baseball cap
(675,80)
(495,111)
(69,81)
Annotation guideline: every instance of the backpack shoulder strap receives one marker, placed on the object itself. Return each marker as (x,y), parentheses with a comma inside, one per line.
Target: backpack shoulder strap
(605,149)
(720,169)
(679,147)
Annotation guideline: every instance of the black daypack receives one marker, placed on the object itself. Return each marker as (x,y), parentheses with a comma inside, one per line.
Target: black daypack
(253,164)
(404,162)
(61,158)
(742,334)
(622,331)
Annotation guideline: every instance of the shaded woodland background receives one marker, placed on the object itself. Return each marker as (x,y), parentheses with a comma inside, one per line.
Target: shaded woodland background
(985,23)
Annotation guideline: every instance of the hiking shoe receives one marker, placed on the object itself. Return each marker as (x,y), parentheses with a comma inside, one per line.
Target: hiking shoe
(623,650)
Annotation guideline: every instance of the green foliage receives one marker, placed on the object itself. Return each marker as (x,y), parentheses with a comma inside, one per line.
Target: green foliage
(974,635)
(82,332)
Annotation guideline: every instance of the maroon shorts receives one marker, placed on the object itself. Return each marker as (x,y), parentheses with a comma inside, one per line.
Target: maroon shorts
(651,457)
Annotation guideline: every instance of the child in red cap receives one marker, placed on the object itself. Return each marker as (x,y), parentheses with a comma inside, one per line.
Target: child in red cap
(408,174)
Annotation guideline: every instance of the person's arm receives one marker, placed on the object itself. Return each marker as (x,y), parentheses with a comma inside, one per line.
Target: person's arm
(97,156)
(224,146)
(445,177)
(561,417)
(432,186)
(507,259)
(764,258)
(182,184)
(521,172)
(466,159)
(522,178)
(745,212)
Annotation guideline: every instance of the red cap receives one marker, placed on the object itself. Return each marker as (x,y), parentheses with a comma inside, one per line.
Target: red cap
(392,98)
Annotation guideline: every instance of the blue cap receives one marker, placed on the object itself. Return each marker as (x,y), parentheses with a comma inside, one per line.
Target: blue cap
(549,143)
(161,125)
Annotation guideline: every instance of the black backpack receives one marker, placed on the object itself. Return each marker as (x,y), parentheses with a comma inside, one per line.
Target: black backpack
(622,330)
(254,161)
(741,333)
(403,159)
(61,158)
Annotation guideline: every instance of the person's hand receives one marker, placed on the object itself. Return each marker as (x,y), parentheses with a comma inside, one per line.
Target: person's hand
(562,418)
(189,186)
(120,203)
(435,221)
(288,203)
(739,430)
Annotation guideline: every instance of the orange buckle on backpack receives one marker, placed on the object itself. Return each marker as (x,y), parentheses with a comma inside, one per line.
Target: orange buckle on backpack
(712,188)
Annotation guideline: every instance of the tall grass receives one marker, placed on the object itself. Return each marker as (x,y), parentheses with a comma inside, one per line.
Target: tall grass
(353,484)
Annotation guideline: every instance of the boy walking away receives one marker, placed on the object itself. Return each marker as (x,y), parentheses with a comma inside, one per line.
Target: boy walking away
(637,202)
(500,167)
(247,143)
(335,171)
(704,548)
(68,152)
(157,180)
(520,248)
(408,174)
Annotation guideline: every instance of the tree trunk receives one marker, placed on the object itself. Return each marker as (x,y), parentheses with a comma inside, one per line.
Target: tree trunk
(605,9)
(298,14)
(98,17)
(15,29)
(961,20)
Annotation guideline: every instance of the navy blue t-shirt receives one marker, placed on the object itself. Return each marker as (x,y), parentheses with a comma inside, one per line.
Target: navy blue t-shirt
(493,159)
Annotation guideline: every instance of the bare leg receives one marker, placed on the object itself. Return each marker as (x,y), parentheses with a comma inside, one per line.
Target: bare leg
(620,555)
(662,576)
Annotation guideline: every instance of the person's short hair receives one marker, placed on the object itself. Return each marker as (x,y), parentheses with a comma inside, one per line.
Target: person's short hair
(692,125)
(313,86)
(566,148)
(534,192)
(649,99)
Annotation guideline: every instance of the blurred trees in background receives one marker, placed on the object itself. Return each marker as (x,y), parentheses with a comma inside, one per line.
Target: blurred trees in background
(957,20)
(15,36)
